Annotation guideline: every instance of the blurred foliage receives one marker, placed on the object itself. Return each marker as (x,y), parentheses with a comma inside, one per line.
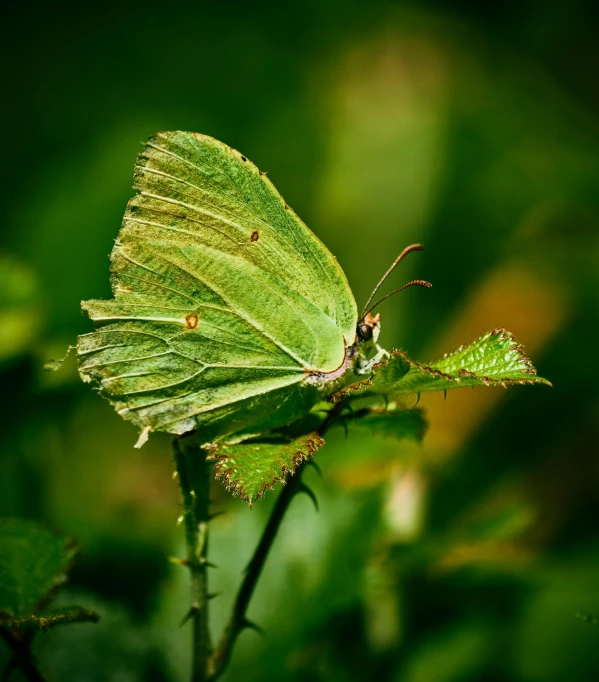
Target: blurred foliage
(470,127)
(33,565)
(20,309)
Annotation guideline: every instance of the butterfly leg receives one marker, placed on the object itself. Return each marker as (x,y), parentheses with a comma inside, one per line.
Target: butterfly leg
(365,367)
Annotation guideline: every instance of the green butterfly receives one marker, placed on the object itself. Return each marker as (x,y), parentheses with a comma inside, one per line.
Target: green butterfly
(231,318)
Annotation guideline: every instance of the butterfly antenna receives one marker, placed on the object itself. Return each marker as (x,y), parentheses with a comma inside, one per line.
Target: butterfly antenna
(414,282)
(402,255)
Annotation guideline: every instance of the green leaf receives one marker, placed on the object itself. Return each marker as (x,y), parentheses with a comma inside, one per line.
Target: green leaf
(392,423)
(390,373)
(385,378)
(33,563)
(249,469)
(51,618)
(496,358)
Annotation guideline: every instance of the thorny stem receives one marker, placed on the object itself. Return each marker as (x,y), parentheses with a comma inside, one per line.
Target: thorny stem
(20,648)
(194,480)
(238,620)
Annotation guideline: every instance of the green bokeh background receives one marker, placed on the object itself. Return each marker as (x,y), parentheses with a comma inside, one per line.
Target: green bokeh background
(471,127)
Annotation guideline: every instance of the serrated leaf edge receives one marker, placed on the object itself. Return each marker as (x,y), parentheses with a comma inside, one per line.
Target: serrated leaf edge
(352,388)
(224,474)
(515,347)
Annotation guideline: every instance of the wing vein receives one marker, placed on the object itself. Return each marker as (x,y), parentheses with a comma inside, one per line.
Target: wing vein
(214,406)
(161,286)
(258,327)
(143,357)
(197,209)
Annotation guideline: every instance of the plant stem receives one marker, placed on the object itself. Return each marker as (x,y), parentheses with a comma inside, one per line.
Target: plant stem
(238,619)
(21,651)
(194,480)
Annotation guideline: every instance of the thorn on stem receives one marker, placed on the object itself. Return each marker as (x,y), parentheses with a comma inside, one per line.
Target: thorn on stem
(190,614)
(312,463)
(250,625)
(303,488)
(208,564)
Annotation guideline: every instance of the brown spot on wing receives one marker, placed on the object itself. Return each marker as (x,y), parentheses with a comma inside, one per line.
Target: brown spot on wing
(192,321)
(254,236)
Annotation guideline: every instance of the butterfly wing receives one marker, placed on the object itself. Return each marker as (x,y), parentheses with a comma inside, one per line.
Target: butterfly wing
(224,301)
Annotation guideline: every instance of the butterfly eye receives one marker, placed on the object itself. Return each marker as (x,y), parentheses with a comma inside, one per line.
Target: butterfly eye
(364,332)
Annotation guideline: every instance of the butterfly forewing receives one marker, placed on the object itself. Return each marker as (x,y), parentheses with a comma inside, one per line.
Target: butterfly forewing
(224,300)
(195,188)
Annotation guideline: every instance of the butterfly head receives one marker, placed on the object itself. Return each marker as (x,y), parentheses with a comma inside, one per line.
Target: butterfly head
(369,328)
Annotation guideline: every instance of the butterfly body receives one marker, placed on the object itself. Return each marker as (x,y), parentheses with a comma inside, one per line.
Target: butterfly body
(229,316)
